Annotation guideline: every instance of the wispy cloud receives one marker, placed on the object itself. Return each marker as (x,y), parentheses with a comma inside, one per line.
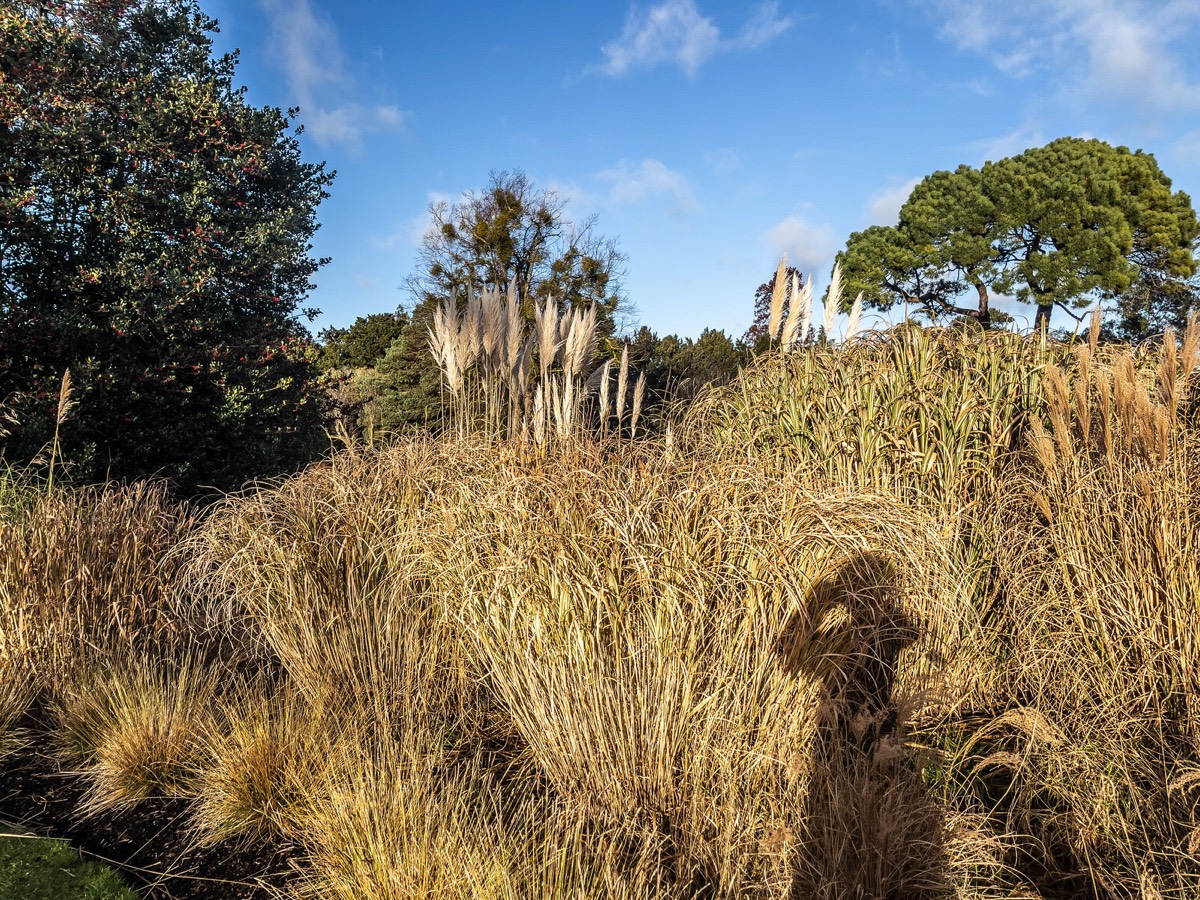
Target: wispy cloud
(1124,51)
(305,45)
(884,206)
(630,183)
(1018,140)
(409,234)
(809,246)
(724,161)
(673,32)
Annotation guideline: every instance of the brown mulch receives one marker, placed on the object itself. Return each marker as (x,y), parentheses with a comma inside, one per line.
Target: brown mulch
(150,844)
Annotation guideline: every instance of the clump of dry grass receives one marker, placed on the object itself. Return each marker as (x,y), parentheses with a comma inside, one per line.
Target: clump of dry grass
(615,666)
(91,572)
(389,825)
(1094,734)
(654,635)
(16,695)
(263,753)
(326,579)
(924,414)
(135,729)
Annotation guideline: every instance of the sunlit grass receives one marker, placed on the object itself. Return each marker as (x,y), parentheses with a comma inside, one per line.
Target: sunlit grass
(913,615)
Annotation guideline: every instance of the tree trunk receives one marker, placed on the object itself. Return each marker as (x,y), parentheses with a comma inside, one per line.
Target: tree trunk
(1041,322)
(985,313)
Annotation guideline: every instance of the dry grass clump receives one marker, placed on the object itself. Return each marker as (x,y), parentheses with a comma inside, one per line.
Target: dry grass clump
(325,578)
(135,729)
(660,639)
(391,825)
(91,572)
(925,414)
(582,673)
(1096,745)
(263,753)
(16,696)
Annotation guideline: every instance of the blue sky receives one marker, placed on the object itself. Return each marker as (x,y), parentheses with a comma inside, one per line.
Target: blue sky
(707,137)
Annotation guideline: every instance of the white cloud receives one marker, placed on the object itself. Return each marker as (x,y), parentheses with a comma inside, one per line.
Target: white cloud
(724,161)
(808,246)
(674,32)
(631,183)
(410,234)
(1011,143)
(763,26)
(306,47)
(884,206)
(1124,51)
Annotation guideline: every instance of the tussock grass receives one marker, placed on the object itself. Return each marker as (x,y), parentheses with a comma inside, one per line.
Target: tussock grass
(261,753)
(16,696)
(1099,555)
(135,730)
(922,413)
(91,572)
(661,636)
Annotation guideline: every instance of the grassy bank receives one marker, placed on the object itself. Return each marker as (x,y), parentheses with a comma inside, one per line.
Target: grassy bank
(915,616)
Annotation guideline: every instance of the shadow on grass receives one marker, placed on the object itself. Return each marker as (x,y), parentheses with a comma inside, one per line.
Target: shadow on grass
(871,829)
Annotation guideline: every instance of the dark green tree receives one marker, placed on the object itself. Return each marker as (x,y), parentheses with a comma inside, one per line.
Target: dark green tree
(154,239)
(409,384)
(363,344)
(1066,225)
(677,369)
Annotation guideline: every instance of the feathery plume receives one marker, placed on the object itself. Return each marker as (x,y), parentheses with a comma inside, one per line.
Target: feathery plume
(639,393)
(65,403)
(606,370)
(494,324)
(833,300)
(791,326)
(806,303)
(1094,330)
(777,298)
(513,330)
(581,341)
(622,383)
(546,317)
(855,315)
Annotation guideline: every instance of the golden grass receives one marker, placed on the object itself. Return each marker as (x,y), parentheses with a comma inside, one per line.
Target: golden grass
(90,572)
(912,616)
(134,729)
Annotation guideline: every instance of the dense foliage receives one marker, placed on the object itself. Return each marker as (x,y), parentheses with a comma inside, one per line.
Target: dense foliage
(154,240)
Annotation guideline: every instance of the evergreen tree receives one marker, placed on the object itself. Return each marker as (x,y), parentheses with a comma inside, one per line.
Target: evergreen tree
(1065,225)
(154,239)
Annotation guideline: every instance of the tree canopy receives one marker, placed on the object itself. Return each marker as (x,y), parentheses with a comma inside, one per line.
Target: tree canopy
(154,239)
(363,343)
(513,232)
(1068,224)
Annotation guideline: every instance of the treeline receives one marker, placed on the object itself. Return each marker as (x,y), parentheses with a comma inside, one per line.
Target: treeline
(382,378)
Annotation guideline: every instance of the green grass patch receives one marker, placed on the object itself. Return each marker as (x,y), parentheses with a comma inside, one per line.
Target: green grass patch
(44,869)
